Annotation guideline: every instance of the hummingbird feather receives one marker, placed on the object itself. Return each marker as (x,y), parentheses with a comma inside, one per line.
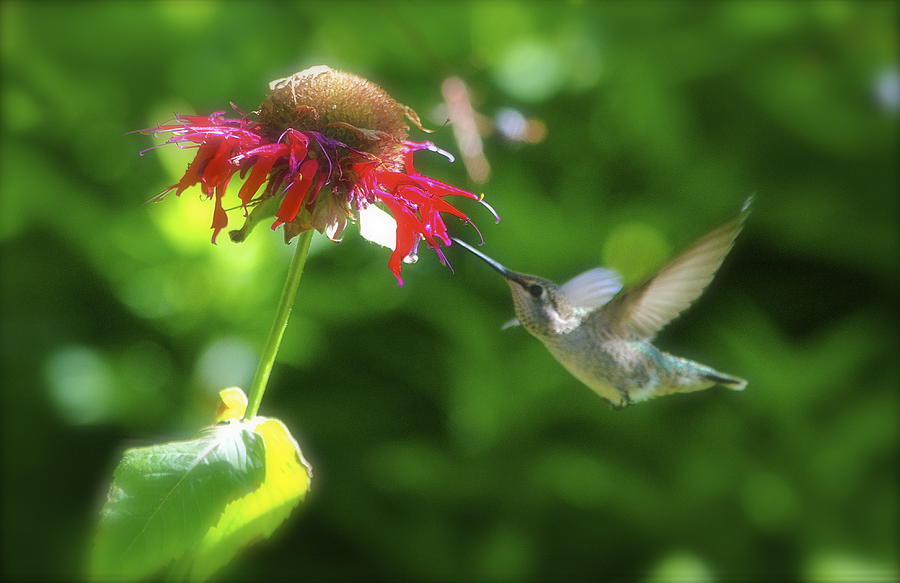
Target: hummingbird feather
(645,309)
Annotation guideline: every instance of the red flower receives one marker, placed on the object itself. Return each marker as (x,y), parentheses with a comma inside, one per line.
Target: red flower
(329,145)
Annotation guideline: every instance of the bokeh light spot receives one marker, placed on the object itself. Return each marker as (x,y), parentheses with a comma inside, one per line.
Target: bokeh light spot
(530,71)
(838,567)
(226,362)
(680,567)
(634,250)
(768,500)
(80,383)
(886,87)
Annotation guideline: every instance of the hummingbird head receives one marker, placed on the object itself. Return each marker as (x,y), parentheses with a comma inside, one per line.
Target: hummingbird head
(541,306)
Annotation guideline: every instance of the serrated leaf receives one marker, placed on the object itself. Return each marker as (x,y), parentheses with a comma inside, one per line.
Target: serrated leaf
(256,515)
(164,498)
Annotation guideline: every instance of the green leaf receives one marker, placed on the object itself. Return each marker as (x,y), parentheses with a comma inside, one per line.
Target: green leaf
(164,498)
(257,514)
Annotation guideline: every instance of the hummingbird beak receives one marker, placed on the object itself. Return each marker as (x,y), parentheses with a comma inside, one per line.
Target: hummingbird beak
(516,277)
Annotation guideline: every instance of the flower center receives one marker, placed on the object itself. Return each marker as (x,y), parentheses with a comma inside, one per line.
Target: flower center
(340,105)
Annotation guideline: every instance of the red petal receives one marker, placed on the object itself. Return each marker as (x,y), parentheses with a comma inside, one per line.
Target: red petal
(408,226)
(299,146)
(219,169)
(257,177)
(220,218)
(391,180)
(422,197)
(196,167)
(405,238)
(277,150)
(293,199)
(441,189)
(435,224)
(408,162)
(315,188)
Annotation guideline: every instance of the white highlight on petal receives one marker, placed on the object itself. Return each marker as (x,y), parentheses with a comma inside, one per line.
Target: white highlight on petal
(377,226)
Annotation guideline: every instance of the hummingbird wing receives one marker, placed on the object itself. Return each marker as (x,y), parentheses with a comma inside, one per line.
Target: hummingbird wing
(644,310)
(593,288)
(588,290)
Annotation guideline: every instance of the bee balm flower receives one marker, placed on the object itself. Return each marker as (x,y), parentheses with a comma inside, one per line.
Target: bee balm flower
(324,147)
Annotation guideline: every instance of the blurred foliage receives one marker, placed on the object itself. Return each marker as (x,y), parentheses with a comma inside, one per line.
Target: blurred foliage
(444,448)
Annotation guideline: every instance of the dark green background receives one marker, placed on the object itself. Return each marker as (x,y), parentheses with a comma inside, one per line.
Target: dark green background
(445,449)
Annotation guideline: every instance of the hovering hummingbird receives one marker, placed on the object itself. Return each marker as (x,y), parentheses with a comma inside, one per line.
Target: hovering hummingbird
(602,335)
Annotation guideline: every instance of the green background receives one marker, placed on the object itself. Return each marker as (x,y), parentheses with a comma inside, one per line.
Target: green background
(445,449)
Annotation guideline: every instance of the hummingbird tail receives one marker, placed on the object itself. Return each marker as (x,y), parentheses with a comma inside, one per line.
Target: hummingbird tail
(733,383)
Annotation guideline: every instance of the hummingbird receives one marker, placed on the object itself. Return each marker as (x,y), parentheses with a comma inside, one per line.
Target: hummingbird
(603,335)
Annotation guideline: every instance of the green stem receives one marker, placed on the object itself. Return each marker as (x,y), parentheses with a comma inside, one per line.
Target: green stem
(276,333)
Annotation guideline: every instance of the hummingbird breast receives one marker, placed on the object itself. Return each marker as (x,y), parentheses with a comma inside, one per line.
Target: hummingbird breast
(619,370)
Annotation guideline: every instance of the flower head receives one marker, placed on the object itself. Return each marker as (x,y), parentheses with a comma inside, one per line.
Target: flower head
(324,147)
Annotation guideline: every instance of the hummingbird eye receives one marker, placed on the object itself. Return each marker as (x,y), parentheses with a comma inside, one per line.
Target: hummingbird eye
(535,290)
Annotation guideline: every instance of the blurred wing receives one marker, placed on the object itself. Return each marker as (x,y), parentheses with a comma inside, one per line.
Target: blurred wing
(510,324)
(593,288)
(647,308)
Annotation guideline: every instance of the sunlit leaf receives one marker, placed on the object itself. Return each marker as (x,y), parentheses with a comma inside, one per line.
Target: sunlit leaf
(165,497)
(256,515)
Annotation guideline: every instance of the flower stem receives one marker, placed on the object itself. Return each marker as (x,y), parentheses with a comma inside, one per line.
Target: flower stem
(276,333)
